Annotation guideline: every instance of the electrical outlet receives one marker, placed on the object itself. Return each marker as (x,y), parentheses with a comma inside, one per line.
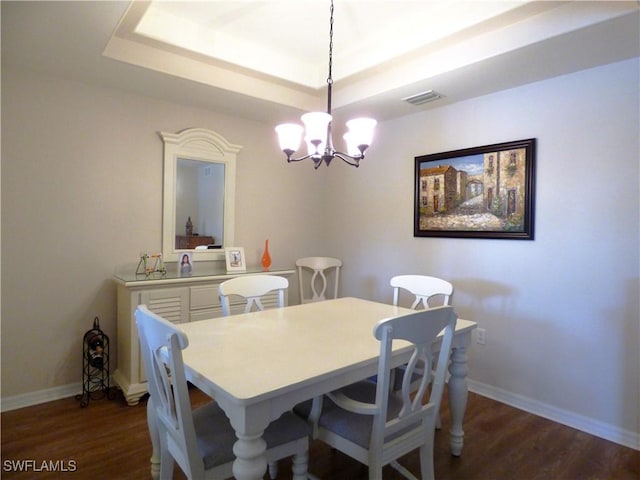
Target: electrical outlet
(481,336)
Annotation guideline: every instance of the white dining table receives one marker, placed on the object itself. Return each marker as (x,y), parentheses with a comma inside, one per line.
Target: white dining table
(259,365)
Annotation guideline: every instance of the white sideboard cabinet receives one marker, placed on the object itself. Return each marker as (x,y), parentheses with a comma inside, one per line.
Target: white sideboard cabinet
(178,298)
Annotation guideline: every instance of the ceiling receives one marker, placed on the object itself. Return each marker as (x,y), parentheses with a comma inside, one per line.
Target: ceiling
(268,59)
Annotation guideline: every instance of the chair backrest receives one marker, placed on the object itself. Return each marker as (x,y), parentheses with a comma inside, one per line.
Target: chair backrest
(161,345)
(252,288)
(423,287)
(321,267)
(420,329)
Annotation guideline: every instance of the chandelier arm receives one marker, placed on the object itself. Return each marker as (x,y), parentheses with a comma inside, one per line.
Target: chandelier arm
(351,160)
(291,159)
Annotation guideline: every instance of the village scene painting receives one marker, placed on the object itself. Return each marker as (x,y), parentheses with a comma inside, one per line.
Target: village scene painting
(479,192)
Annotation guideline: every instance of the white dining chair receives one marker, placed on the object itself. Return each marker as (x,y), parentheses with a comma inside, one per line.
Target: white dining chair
(252,288)
(201,441)
(423,288)
(375,427)
(317,270)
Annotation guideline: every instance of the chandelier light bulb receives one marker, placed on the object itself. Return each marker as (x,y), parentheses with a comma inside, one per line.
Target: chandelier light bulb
(315,124)
(289,135)
(359,136)
(352,146)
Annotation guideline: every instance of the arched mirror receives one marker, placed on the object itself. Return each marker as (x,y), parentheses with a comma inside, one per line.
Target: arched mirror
(198,212)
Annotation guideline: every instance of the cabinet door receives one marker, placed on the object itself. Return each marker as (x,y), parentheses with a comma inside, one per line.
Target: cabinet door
(205,302)
(170,303)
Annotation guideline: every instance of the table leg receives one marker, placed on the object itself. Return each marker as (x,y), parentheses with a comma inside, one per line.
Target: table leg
(458,393)
(250,462)
(155,440)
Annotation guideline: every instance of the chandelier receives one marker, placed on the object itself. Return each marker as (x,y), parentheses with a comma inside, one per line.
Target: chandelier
(318,130)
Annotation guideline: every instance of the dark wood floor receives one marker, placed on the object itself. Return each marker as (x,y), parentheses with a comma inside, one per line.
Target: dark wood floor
(109,440)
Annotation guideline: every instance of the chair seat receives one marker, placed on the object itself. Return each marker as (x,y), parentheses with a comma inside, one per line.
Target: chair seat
(352,426)
(216,445)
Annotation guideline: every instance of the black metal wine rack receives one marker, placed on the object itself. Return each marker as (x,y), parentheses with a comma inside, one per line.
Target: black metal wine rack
(95,365)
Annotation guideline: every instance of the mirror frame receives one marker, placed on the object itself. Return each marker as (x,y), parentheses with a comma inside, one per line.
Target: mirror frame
(202,145)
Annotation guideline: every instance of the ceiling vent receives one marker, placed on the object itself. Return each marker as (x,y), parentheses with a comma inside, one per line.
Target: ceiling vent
(423,97)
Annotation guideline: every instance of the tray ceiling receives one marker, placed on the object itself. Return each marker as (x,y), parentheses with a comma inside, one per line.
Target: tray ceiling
(268,60)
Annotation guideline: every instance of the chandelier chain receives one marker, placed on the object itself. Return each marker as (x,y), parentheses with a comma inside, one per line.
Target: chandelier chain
(330,78)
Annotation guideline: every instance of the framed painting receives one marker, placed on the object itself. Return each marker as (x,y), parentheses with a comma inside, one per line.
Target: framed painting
(480,192)
(235,259)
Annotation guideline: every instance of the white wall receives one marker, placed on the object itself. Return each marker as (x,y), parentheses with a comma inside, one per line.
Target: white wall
(562,311)
(82,196)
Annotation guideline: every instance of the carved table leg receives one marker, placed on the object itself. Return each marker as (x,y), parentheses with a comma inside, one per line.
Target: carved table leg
(458,394)
(250,462)
(299,467)
(155,440)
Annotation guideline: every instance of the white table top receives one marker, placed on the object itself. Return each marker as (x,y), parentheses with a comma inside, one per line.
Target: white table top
(260,355)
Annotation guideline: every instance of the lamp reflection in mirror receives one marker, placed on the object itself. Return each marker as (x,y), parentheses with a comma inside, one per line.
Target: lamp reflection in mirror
(317,126)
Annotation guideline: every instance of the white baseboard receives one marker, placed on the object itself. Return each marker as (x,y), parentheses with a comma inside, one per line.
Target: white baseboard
(40,396)
(600,429)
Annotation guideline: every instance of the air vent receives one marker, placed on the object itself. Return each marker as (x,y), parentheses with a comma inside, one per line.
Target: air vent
(423,97)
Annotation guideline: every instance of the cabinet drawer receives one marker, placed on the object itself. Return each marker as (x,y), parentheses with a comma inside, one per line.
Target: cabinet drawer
(204,297)
(205,314)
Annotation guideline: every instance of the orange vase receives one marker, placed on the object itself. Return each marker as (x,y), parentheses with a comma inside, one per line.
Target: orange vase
(266,258)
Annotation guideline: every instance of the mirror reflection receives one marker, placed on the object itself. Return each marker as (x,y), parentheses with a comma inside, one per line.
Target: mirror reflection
(198,206)
(199,215)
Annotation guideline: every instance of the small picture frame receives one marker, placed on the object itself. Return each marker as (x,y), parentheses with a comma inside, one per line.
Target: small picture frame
(234,257)
(185,263)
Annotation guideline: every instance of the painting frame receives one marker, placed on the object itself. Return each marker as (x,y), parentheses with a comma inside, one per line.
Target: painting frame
(235,259)
(479,192)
